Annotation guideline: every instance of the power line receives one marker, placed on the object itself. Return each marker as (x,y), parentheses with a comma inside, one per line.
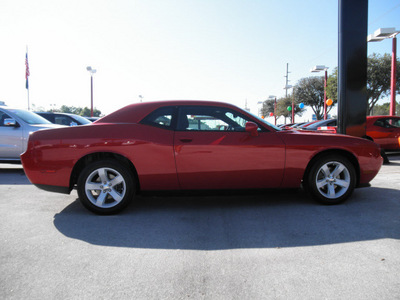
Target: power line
(384,14)
(331,49)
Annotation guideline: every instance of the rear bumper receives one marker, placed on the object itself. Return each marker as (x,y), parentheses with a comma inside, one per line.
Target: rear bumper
(53,188)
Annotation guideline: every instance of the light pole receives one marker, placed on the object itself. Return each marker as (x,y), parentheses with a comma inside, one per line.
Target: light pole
(91,71)
(380,35)
(270,98)
(318,69)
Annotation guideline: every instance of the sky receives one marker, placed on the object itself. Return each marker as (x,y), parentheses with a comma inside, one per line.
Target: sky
(232,51)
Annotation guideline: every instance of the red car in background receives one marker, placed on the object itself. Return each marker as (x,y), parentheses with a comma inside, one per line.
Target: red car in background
(193,145)
(385,131)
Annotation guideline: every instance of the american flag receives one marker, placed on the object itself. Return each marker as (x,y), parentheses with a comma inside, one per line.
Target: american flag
(27,70)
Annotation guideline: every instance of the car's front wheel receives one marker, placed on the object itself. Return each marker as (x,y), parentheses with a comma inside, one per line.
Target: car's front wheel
(106,187)
(331,179)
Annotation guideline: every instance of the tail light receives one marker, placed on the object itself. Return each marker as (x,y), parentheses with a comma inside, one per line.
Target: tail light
(328,129)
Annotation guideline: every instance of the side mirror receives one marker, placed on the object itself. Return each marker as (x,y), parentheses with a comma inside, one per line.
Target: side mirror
(252,128)
(10,122)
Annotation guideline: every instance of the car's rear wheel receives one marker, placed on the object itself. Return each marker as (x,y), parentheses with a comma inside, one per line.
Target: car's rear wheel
(331,179)
(106,187)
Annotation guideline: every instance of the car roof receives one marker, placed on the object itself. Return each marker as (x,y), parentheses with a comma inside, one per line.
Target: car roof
(54,113)
(382,117)
(10,110)
(372,119)
(136,112)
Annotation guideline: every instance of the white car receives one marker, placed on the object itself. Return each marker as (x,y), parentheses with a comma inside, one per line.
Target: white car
(15,127)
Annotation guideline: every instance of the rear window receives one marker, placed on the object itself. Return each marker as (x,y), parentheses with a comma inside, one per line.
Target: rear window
(162,117)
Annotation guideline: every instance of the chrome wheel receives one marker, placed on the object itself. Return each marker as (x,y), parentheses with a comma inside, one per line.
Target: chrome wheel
(105,187)
(333,180)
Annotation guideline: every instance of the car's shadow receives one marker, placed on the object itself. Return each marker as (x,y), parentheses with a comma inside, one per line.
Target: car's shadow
(394,158)
(13,175)
(271,220)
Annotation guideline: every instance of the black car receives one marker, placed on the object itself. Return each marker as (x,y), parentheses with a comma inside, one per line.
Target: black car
(314,126)
(64,118)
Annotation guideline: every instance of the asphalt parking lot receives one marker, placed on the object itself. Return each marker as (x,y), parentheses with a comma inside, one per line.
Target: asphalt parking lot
(276,245)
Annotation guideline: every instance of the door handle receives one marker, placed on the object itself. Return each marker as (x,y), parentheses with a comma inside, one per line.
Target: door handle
(186,140)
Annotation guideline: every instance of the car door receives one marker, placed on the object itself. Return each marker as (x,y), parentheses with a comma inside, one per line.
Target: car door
(213,151)
(11,138)
(392,130)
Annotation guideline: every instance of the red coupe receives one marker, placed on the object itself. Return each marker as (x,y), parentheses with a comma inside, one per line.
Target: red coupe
(385,131)
(193,145)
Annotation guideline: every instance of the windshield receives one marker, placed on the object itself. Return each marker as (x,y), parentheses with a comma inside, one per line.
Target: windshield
(265,122)
(29,117)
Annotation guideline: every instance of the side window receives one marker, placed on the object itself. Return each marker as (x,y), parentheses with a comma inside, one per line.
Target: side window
(205,122)
(211,118)
(162,117)
(388,123)
(393,123)
(71,121)
(380,123)
(61,120)
(396,122)
(49,118)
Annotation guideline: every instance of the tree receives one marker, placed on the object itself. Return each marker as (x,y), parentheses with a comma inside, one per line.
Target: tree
(331,86)
(378,79)
(79,111)
(310,91)
(70,109)
(268,107)
(284,103)
(86,112)
(382,110)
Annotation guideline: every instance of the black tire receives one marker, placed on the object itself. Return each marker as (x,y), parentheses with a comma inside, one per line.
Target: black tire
(106,187)
(331,179)
(385,158)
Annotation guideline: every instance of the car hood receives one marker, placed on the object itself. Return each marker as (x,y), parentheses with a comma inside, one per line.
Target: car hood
(323,139)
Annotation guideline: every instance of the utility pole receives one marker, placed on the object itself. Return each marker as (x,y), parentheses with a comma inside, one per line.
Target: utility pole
(287,86)
(287,78)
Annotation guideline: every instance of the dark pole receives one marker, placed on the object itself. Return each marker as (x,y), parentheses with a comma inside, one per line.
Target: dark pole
(91,95)
(393,79)
(352,71)
(275,110)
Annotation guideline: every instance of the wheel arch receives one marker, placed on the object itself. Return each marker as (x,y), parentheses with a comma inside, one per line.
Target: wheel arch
(97,156)
(346,154)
